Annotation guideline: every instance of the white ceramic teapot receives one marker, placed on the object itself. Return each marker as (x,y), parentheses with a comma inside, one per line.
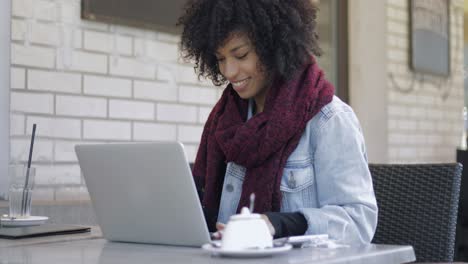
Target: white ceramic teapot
(246,231)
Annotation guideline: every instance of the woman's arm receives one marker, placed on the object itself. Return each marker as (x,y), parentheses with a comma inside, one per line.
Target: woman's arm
(287,224)
(347,205)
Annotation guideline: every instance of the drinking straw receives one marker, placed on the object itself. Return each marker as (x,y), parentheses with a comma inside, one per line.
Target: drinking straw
(26,183)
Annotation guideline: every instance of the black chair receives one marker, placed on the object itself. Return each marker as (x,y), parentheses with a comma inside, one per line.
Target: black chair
(418,206)
(461,241)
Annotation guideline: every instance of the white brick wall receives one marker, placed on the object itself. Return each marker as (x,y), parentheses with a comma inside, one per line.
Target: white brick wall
(43,150)
(55,127)
(107,130)
(189,134)
(58,175)
(187,75)
(18,78)
(33,56)
(81,106)
(64,151)
(131,110)
(90,82)
(132,67)
(154,132)
(45,10)
(54,81)
(193,94)
(32,102)
(18,29)
(167,73)
(22,8)
(204,112)
(44,33)
(176,113)
(88,62)
(105,86)
(156,50)
(17,124)
(155,91)
(422,125)
(105,42)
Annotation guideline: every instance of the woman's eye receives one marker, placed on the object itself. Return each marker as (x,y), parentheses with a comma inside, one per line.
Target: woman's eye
(220,59)
(243,56)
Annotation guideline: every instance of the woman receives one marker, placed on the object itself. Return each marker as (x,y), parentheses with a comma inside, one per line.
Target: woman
(277,131)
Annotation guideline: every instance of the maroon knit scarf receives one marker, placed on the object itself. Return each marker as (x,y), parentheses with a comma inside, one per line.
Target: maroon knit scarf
(263,143)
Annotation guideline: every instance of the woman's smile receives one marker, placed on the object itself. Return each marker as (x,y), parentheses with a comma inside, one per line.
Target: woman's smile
(240,86)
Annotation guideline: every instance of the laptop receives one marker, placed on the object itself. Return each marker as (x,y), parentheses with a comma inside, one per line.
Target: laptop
(143,193)
(41,230)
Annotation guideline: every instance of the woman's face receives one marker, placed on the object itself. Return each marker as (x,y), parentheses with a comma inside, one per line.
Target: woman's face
(239,64)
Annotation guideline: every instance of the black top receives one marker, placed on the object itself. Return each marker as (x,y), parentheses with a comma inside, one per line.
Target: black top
(285,224)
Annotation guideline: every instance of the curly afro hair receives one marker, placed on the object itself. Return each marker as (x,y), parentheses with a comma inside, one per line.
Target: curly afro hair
(282,31)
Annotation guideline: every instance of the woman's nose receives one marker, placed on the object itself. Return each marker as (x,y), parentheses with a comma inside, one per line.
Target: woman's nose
(231,68)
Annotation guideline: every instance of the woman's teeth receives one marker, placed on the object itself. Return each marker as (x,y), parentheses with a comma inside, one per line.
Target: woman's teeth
(237,84)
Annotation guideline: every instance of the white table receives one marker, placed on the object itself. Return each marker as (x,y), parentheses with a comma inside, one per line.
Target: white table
(101,251)
(92,248)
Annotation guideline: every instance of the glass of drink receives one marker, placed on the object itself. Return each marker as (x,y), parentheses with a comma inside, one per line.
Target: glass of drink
(20,190)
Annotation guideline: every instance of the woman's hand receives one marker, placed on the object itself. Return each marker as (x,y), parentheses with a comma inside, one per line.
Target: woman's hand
(220,226)
(269,225)
(218,234)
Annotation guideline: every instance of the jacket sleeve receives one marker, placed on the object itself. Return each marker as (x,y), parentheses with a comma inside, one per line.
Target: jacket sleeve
(287,224)
(347,206)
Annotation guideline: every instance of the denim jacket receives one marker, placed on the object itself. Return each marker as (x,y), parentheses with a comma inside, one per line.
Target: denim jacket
(326,178)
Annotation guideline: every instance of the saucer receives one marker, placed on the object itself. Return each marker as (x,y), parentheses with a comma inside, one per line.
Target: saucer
(247,253)
(29,221)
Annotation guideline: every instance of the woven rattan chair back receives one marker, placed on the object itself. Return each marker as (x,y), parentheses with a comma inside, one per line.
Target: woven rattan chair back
(418,206)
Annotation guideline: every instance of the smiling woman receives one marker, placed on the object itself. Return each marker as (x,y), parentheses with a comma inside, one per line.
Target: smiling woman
(238,62)
(277,131)
(5,23)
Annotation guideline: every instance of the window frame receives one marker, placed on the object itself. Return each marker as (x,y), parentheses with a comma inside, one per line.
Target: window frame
(5,36)
(342,38)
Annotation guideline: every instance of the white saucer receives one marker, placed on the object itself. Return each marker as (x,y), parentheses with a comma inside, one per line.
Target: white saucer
(247,253)
(29,221)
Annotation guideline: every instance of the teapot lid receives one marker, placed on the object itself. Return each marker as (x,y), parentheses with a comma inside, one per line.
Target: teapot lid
(245,215)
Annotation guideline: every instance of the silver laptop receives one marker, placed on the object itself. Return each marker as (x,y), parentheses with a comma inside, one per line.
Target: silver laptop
(144,193)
